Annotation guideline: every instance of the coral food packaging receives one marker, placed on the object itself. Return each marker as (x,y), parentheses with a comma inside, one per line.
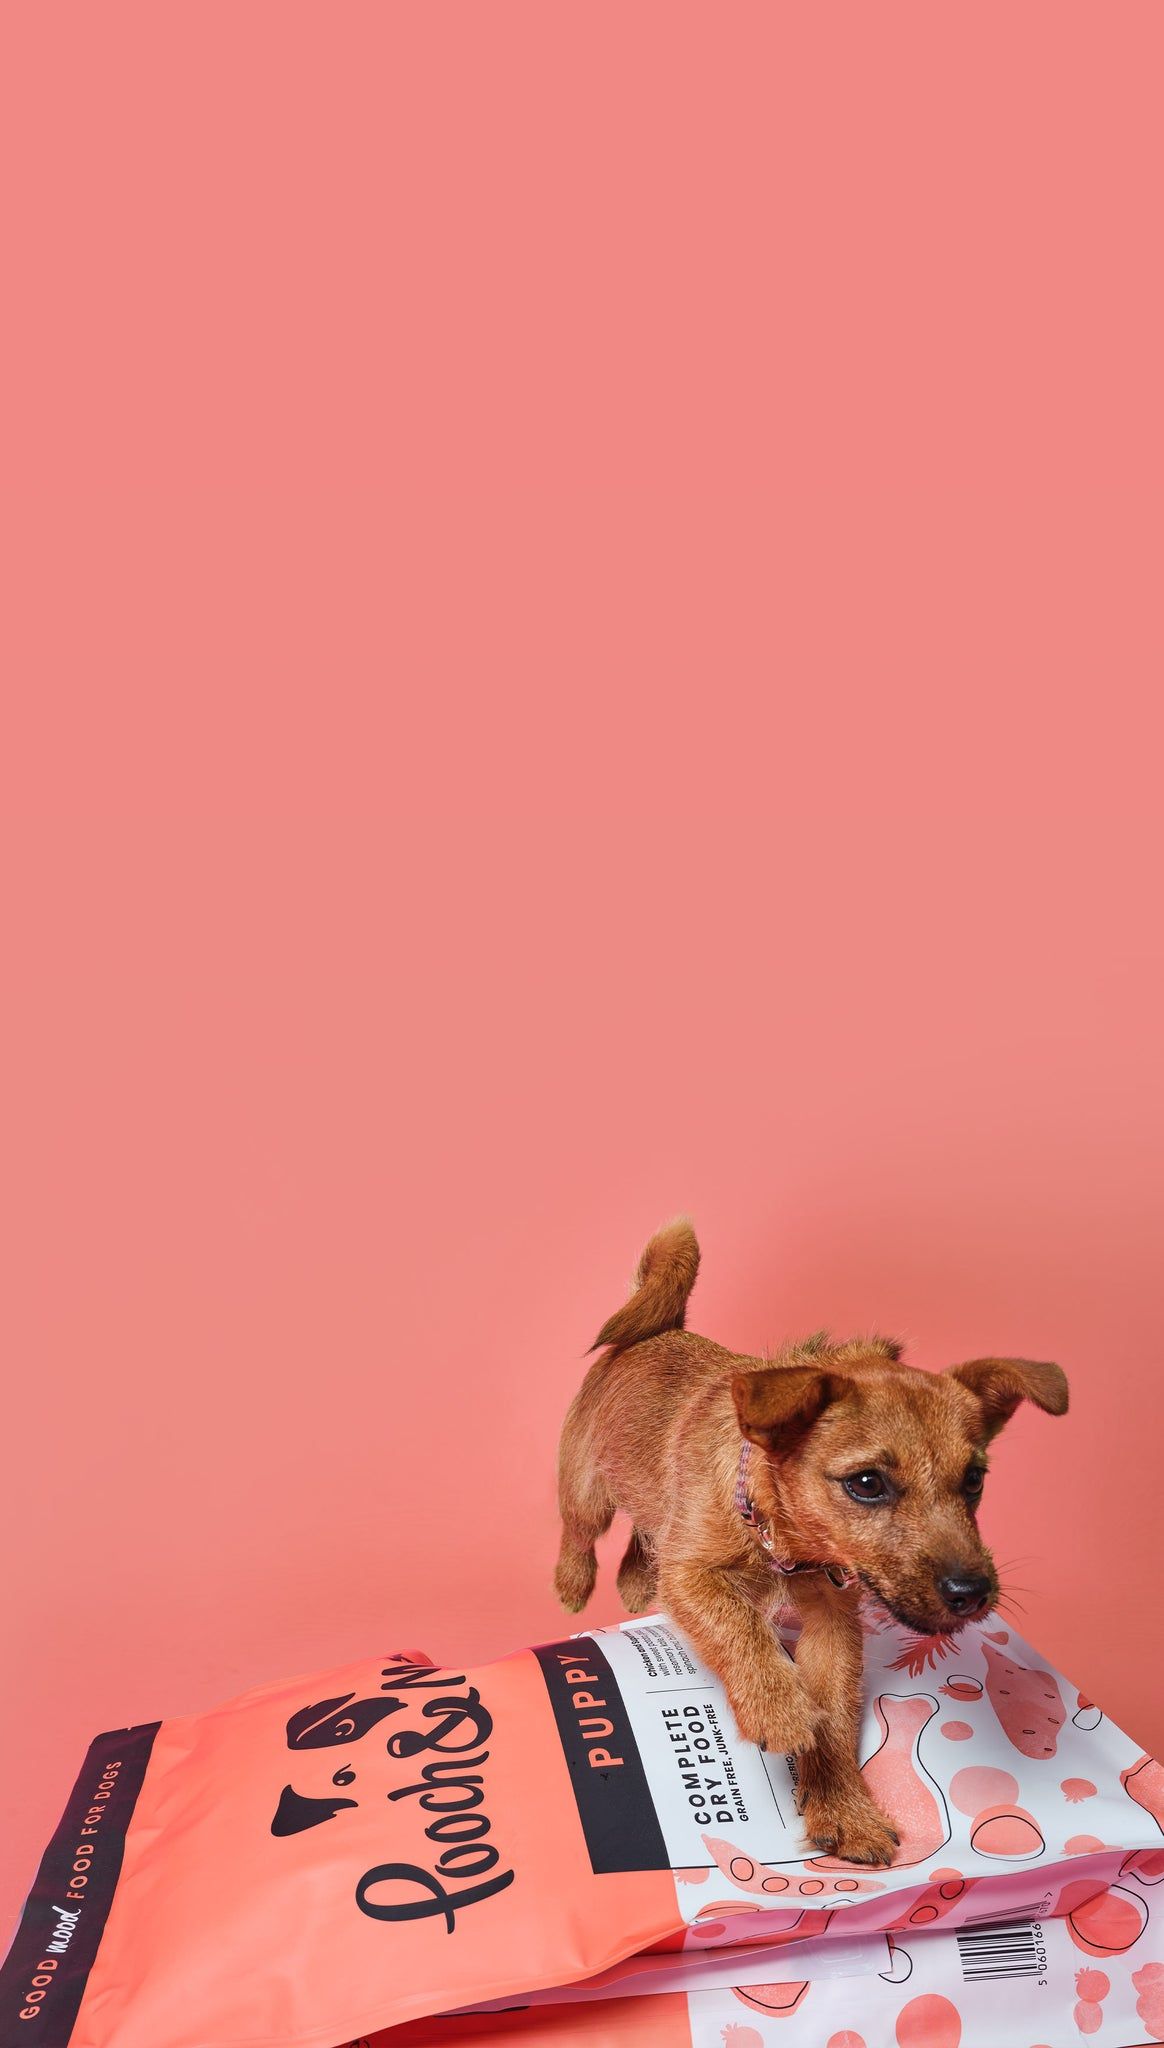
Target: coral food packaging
(578,1824)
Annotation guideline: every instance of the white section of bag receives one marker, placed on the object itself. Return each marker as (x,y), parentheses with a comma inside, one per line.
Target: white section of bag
(988,1987)
(996,1760)
(702,1777)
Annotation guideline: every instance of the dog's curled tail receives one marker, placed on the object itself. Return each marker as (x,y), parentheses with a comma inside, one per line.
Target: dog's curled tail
(665,1277)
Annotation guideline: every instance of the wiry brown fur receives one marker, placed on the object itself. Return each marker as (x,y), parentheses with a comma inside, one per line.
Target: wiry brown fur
(665,1277)
(655,1431)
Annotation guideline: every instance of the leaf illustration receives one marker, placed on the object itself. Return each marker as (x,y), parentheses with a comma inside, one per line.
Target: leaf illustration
(921,1653)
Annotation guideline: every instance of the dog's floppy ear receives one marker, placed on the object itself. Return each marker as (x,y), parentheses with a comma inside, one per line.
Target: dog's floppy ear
(1001,1383)
(777,1406)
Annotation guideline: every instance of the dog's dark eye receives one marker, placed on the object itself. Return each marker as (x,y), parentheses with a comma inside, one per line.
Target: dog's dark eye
(868,1487)
(973,1482)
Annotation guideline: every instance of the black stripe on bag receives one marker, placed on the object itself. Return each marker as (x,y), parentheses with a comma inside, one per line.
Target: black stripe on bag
(1003,1950)
(610,1786)
(60,1929)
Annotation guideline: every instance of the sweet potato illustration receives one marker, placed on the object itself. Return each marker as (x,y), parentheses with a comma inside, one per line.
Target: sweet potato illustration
(1026,1700)
(1143,1781)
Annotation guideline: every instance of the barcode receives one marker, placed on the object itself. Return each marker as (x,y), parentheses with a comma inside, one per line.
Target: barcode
(998,1951)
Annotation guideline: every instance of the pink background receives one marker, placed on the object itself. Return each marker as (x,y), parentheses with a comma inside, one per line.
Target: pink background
(587,621)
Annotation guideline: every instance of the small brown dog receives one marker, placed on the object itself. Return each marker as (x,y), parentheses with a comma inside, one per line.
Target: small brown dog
(755,1483)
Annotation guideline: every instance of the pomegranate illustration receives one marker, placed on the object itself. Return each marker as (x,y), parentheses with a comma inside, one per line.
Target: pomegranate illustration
(1092,1987)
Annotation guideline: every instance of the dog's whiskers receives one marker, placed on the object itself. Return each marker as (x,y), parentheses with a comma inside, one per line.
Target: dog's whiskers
(1006,1604)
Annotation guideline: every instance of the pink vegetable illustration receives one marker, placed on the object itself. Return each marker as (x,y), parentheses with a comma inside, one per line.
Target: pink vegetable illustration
(900,1784)
(1149,1982)
(715,1921)
(1092,1984)
(922,1653)
(1092,1987)
(961,1687)
(1026,1700)
(712,1925)
(778,1885)
(929,2022)
(1143,1781)
(1108,1924)
(936,1901)
(1007,1831)
(777,1999)
(1000,1826)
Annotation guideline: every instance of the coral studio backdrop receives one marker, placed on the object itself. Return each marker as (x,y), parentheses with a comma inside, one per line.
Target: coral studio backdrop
(581,593)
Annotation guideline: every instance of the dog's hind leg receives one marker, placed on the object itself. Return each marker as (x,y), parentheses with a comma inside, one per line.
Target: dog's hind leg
(638,1576)
(587,1513)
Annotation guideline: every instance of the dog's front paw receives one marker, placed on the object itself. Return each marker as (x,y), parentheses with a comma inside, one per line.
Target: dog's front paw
(853,1830)
(786,1724)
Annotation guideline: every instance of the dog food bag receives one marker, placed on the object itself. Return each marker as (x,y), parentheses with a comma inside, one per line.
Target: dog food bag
(988,1985)
(332,1856)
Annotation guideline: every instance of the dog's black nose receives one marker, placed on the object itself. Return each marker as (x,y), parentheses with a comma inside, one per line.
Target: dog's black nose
(965,1592)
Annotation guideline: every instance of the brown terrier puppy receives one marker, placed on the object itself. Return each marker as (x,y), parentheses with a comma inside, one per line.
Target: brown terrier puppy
(754,1483)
